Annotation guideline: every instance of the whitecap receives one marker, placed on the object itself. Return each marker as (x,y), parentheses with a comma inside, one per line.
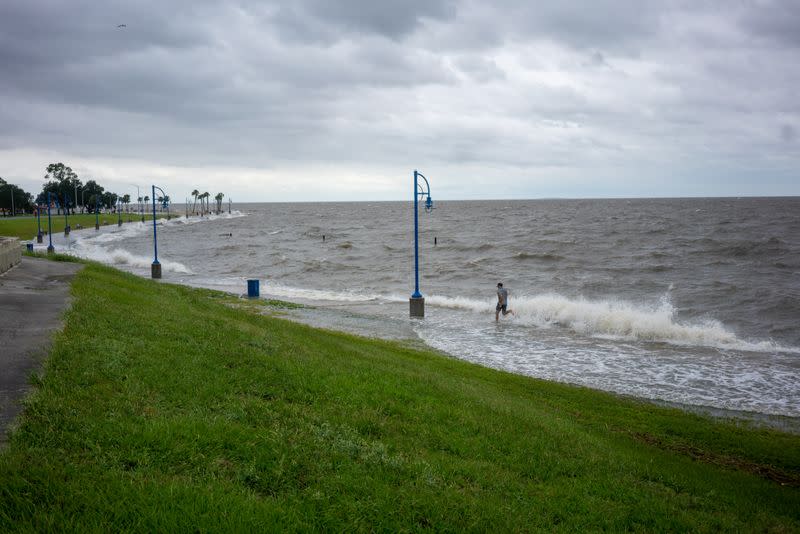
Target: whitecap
(617,319)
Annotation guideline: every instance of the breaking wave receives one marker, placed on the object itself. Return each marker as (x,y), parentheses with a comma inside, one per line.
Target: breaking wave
(98,247)
(617,319)
(119,256)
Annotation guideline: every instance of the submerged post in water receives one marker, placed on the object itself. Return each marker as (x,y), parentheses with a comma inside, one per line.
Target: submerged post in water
(417,302)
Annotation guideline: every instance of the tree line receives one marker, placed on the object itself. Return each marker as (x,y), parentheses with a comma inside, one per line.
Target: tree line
(14,199)
(203,198)
(67,193)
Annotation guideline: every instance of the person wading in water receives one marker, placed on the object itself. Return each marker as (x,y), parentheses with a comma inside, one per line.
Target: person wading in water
(502,302)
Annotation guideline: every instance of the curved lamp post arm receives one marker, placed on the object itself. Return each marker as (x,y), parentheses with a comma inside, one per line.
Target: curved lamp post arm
(419,192)
(424,191)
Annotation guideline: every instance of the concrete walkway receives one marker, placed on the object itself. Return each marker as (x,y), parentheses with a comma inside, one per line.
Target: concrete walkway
(33,297)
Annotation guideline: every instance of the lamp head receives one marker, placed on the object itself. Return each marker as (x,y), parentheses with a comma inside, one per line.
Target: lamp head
(428,204)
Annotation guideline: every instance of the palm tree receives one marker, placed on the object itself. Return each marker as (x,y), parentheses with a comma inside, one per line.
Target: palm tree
(205,196)
(194,194)
(218,197)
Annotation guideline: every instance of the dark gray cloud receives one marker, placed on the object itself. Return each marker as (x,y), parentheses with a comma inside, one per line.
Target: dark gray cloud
(607,24)
(44,33)
(618,25)
(773,20)
(502,87)
(390,18)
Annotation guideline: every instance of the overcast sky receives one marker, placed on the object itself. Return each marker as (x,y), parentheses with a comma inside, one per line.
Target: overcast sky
(326,100)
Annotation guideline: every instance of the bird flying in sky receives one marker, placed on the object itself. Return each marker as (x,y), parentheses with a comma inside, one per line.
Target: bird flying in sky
(122,25)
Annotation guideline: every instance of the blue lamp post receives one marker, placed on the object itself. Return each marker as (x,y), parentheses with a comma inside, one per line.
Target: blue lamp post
(141,204)
(66,220)
(417,301)
(39,222)
(50,248)
(155,268)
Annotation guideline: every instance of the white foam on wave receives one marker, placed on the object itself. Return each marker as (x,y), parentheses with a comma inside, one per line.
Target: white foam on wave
(95,246)
(119,256)
(113,233)
(268,287)
(234,214)
(196,219)
(123,232)
(316,294)
(617,319)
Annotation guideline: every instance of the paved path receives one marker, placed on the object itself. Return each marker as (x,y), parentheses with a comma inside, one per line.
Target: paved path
(33,297)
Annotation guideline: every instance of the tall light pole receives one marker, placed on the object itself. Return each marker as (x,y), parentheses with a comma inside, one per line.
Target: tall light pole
(155,268)
(96,212)
(50,248)
(39,222)
(66,220)
(137,201)
(417,302)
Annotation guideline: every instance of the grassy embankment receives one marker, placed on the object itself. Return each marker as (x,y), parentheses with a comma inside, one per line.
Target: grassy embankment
(165,408)
(26,227)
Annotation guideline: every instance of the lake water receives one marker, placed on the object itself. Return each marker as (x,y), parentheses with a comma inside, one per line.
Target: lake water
(691,301)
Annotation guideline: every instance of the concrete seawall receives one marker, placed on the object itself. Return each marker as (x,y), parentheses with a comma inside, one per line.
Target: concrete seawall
(10,253)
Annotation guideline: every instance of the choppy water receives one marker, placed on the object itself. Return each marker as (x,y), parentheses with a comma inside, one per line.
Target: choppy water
(694,301)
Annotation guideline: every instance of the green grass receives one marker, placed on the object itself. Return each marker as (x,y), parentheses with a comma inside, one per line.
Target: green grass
(26,228)
(209,416)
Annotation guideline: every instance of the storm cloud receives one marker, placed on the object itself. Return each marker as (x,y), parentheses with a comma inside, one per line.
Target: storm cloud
(316,100)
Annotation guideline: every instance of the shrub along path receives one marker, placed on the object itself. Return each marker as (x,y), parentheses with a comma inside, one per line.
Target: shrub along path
(167,408)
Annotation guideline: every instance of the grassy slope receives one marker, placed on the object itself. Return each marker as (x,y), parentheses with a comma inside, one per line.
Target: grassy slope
(26,227)
(165,408)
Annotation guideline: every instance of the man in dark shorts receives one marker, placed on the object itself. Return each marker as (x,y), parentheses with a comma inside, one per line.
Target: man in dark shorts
(502,302)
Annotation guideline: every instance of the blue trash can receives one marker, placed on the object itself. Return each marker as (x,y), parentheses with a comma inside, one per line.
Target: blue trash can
(29,246)
(252,289)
